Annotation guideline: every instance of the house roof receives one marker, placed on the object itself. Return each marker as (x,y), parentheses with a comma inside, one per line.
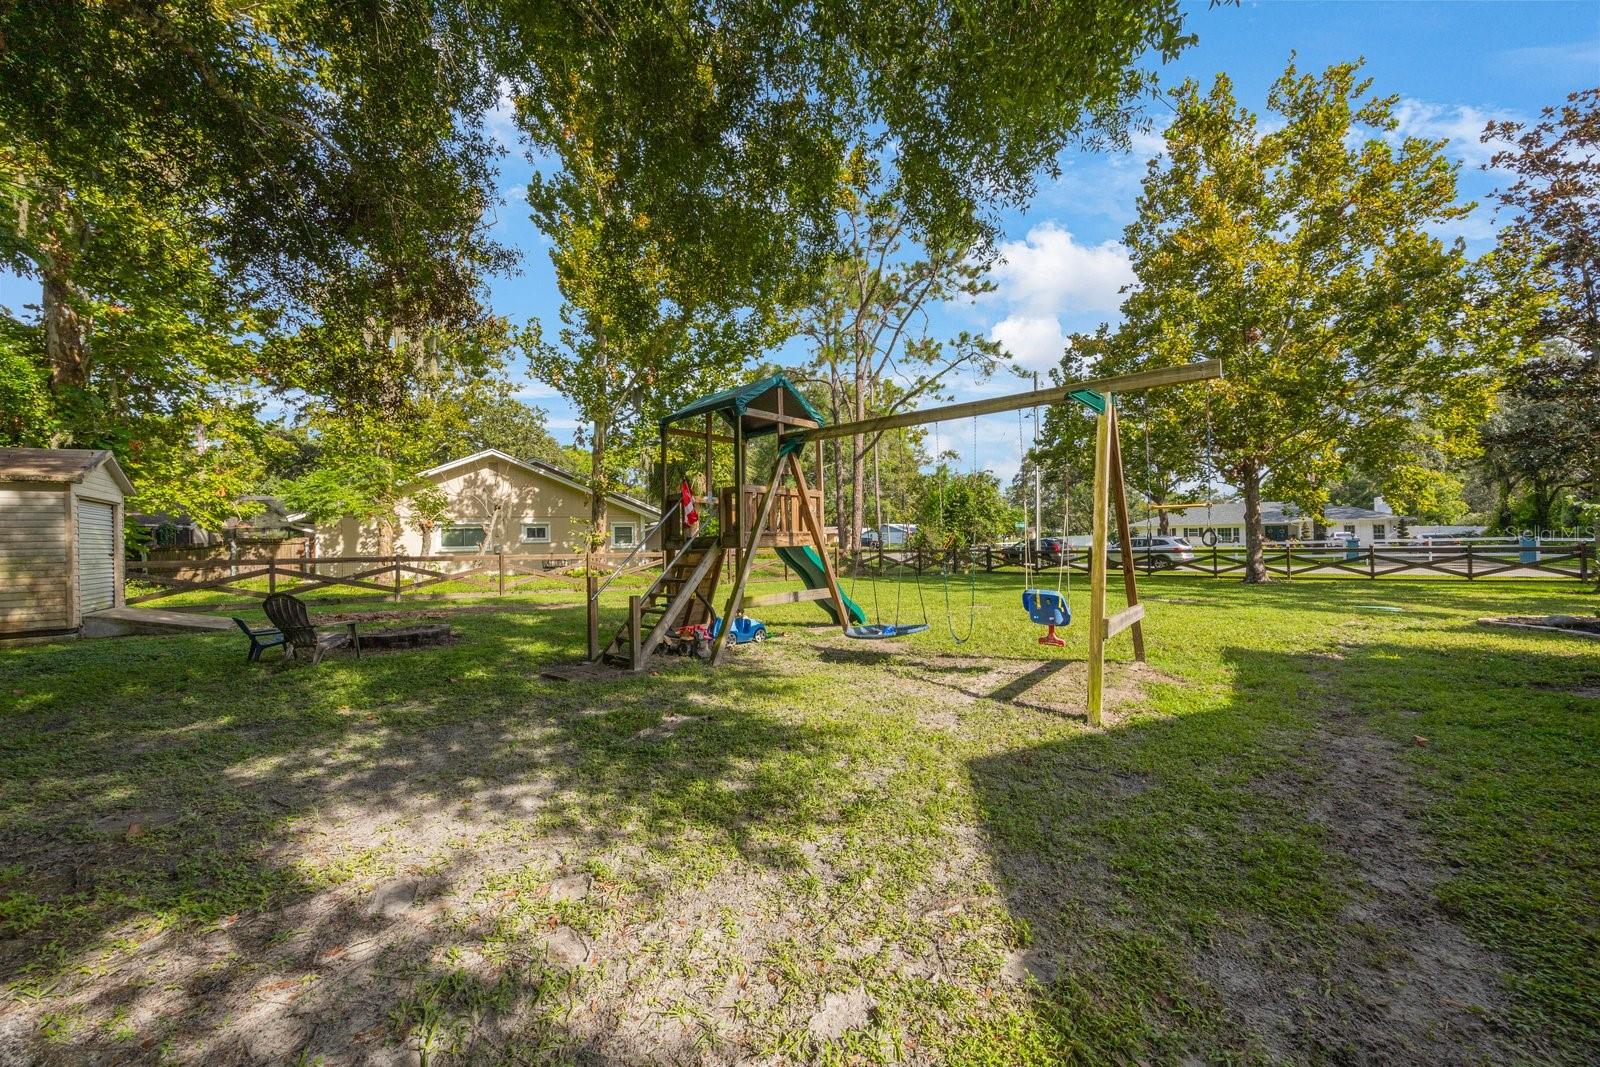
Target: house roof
(1273,513)
(548,470)
(753,405)
(59,465)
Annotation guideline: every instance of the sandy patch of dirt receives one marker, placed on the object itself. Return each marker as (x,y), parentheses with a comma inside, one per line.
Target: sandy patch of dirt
(1577,625)
(1402,982)
(954,681)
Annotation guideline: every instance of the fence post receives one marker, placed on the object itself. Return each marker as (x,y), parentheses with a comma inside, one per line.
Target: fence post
(635,638)
(1469,561)
(395,561)
(1372,561)
(1288,561)
(500,563)
(272,575)
(1215,570)
(1583,562)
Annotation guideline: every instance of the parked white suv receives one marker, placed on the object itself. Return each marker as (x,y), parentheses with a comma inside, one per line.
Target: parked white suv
(1162,552)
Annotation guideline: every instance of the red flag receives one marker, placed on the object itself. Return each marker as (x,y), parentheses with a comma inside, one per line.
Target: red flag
(691,517)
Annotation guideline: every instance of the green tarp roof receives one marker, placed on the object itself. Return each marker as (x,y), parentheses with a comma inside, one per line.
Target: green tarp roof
(733,404)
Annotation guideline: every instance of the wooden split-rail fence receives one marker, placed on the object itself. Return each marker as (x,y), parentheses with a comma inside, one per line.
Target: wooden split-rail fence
(1572,560)
(493,574)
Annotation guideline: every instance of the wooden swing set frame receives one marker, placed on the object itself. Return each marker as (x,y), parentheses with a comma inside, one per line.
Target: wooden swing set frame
(800,523)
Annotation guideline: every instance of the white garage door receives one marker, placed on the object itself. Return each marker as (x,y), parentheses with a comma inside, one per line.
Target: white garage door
(97,564)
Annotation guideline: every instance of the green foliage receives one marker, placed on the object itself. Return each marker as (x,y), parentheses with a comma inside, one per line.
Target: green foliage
(329,156)
(682,235)
(1544,442)
(355,461)
(866,320)
(367,469)
(962,510)
(1302,252)
(27,411)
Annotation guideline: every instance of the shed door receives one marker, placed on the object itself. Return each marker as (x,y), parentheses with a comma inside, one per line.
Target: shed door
(97,564)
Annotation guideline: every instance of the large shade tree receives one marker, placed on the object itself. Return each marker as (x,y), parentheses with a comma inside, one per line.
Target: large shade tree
(693,158)
(189,183)
(867,322)
(1547,435)
(1303,251)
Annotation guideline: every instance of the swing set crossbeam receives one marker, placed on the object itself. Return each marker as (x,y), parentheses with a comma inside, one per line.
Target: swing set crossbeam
(1199,371)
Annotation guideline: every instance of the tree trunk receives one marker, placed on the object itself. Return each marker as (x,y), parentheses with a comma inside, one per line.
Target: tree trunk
(1255,566)
(838,462)
(597,485)
(62,237)
(63,334)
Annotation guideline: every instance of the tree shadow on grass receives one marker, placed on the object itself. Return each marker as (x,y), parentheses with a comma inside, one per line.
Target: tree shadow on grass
(199,850)
(1261,880)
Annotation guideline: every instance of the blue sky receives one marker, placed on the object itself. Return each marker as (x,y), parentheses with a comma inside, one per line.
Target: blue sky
(1454,65)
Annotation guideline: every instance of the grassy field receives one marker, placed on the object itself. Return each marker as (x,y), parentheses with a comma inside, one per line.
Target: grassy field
(1329,822)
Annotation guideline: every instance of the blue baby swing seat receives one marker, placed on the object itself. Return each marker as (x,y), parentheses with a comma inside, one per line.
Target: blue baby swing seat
(1046,608)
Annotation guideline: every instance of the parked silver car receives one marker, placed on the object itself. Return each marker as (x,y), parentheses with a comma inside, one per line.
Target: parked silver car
(1162,551)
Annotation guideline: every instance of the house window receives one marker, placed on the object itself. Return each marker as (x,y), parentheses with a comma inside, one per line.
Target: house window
(1350,528)
(624,534)
(1379,531)
(1194,533)
(536,533)
(461,538)
(1227,535)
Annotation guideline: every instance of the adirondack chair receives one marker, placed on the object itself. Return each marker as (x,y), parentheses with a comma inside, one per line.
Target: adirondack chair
(288,613)
(261,640)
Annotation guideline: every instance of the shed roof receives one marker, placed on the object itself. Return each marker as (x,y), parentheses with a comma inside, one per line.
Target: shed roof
(753,405)
(60,465)
(539,467)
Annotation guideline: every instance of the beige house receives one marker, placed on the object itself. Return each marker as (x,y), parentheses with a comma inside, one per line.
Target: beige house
(500,503)
(1282,522)
(61,512)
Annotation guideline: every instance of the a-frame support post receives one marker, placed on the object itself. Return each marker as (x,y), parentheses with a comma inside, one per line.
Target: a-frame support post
(1119,500)
(750,540)
(1097,560)
(814,526)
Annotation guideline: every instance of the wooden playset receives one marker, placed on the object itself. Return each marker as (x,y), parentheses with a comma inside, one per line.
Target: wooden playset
(784,513)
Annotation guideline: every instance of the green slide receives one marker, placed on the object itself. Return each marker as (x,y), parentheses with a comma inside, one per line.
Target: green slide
(808,565)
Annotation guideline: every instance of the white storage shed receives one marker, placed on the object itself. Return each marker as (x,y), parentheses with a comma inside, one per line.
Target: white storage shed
(61,512)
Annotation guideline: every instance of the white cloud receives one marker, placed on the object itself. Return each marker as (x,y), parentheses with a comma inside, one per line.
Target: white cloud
(501,122)
(1049,272)
(536,391)
(1459,124)
(1047,275)
(1034,341)
(1571,56)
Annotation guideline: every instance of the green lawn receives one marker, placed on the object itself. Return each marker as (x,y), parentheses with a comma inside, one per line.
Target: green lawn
(1314,829)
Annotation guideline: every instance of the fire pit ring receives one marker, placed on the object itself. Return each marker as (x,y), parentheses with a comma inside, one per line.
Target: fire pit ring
(399,637)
